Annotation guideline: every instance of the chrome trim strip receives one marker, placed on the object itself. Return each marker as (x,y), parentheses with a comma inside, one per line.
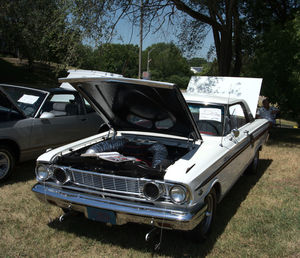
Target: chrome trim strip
(103,194)
(234,155)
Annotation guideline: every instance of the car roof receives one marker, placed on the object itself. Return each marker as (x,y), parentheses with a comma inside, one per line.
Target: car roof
(60,90)
(50,90)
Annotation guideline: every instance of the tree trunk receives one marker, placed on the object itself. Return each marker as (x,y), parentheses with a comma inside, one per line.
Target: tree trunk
(237,43)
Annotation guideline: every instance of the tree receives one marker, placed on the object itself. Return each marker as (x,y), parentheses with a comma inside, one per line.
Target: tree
(277,61)
(38,30)
(273,51)
(197,61)
(168,64)
(117,58)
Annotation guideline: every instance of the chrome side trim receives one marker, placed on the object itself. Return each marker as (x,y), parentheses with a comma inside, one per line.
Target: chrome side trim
(125,211)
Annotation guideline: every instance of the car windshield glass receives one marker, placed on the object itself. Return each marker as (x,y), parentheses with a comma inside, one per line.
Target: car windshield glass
(209,118)
(27,100)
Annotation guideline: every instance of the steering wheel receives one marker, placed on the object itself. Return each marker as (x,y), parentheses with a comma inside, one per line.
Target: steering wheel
(206,125)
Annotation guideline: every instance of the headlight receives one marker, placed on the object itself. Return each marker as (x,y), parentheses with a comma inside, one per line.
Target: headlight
(178,194)
(152,191)
(42,172)
(60,175)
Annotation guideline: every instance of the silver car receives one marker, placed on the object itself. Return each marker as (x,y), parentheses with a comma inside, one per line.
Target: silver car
(34,120)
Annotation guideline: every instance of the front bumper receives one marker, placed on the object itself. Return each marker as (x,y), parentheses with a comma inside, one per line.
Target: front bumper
(124,211)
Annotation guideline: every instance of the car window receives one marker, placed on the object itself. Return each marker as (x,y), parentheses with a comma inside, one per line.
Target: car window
(237,116)
(27,100)
(209,118)
(7,111)
(62,98)
(63,105)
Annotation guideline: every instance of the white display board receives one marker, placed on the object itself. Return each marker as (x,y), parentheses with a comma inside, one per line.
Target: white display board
(228,87)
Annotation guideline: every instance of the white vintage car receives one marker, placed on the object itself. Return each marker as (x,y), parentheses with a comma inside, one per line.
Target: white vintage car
(166,160)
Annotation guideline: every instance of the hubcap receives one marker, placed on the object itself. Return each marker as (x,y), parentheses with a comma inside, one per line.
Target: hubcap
(209,212)
(4,164)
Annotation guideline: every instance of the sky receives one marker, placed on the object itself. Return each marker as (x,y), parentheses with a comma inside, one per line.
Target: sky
(126,35)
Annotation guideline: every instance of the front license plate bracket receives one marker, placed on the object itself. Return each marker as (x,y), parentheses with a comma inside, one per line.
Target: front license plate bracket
(101,215)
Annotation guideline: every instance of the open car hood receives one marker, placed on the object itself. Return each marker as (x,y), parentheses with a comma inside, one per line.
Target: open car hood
(138,105)
(228,87)
(7,101)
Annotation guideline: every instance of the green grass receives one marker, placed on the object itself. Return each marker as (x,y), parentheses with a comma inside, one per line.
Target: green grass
(260,217)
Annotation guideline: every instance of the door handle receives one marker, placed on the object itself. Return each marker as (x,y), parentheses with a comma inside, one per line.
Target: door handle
(251,137)
(83,119)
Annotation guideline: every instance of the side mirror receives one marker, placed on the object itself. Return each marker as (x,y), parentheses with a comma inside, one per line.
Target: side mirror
(47,115)
(235,132)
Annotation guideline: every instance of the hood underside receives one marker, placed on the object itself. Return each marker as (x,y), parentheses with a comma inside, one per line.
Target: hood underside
(138,105)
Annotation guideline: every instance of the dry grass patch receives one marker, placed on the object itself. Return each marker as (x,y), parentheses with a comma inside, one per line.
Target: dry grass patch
(260,217)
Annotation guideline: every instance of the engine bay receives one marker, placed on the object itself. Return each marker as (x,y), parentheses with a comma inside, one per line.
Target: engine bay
(124,157)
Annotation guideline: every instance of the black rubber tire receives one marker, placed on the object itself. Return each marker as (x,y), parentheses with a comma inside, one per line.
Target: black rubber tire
(253,167)
(202,231)
(7,162)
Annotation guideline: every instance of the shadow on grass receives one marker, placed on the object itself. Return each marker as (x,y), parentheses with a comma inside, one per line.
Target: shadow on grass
(23,172)
(287,137)
(174,243)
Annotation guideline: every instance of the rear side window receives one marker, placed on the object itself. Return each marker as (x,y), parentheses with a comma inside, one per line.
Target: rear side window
(63,105)
(237,116)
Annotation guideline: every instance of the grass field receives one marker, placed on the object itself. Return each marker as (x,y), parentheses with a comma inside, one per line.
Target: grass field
(260,217)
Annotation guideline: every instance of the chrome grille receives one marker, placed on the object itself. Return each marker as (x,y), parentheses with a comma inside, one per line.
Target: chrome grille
(112,183)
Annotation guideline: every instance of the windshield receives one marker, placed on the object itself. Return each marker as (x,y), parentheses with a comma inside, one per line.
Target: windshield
(28,100)
(209,118)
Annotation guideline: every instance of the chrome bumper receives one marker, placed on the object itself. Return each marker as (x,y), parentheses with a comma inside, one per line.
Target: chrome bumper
(124,211)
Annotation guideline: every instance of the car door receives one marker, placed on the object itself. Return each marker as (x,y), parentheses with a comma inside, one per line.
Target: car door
(68,122)
(93,119)
(239,147)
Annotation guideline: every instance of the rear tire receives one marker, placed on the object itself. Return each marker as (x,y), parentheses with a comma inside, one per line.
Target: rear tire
(202,231)
(7,162)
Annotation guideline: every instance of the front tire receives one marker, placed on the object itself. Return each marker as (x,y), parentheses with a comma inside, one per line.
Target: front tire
(202,231)
(7,162)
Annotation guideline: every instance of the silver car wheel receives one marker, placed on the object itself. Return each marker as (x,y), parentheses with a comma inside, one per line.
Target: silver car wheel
(210,202)
(5,164)
(201,232)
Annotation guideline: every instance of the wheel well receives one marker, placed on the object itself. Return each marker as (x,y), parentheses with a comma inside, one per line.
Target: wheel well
(12,145)
(217,187)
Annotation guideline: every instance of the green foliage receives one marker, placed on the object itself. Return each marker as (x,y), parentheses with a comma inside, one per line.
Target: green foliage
(181,81)
(37,30)
(168,64)
(166,61)
(117,58)
(114,58)
(277,61)
(197,61)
